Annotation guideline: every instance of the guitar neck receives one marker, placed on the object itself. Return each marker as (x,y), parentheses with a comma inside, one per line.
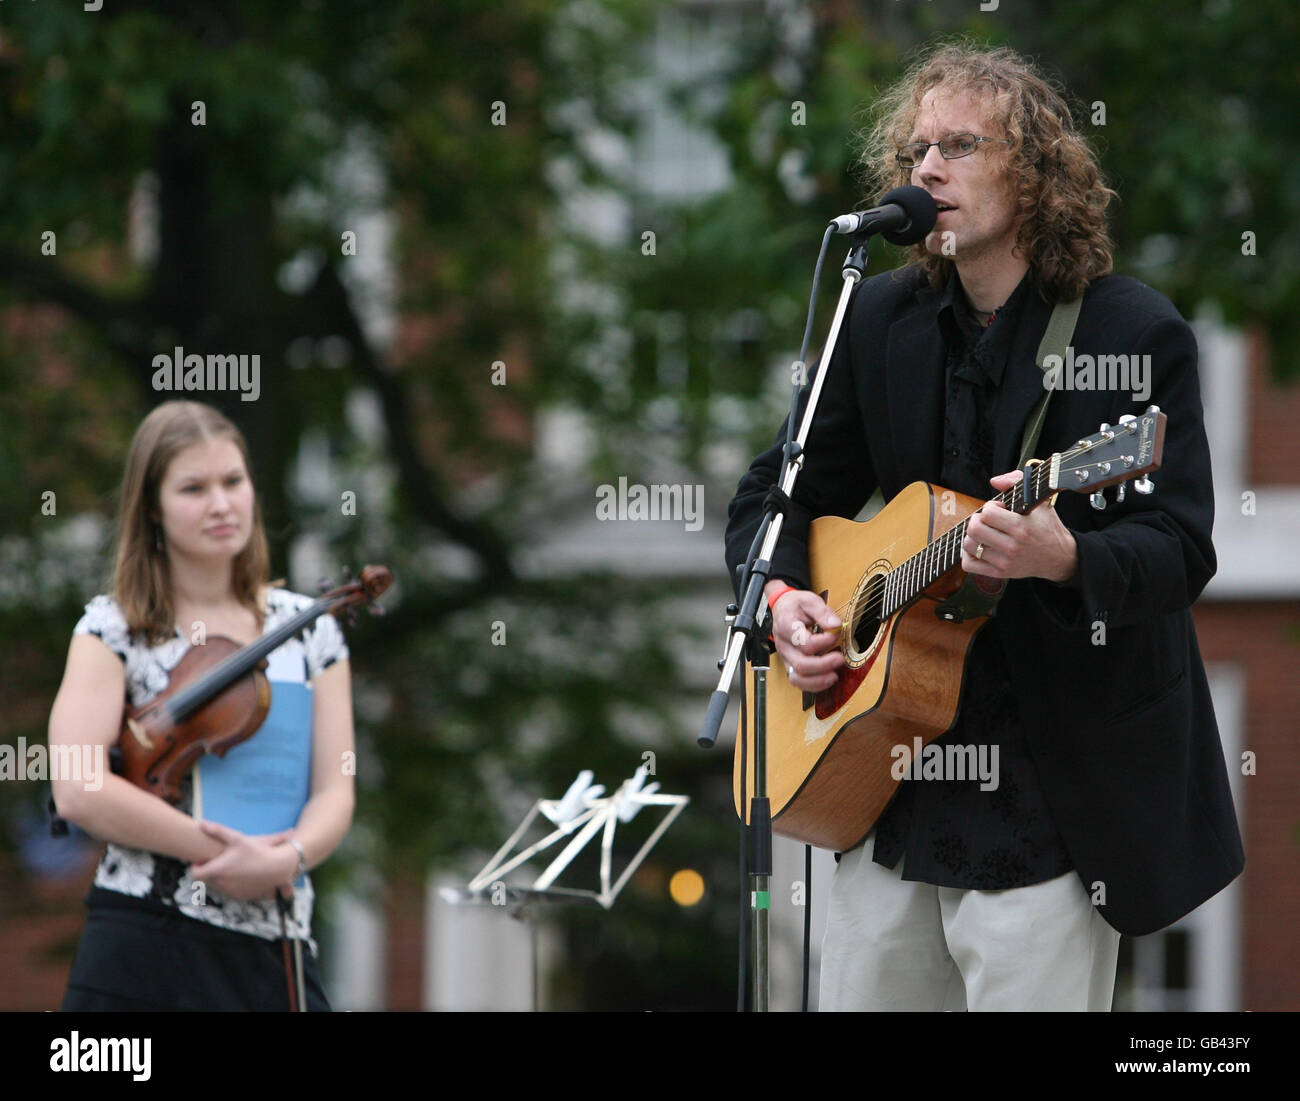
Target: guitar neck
(189,700)
(914,575)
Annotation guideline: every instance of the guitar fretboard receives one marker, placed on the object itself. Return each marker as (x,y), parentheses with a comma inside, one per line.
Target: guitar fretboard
(911,577)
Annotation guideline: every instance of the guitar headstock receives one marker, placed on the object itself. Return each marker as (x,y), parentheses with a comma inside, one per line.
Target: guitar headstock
(372,583)
(1131,449)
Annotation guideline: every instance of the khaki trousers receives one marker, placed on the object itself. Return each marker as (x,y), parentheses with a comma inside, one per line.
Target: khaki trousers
(892,944)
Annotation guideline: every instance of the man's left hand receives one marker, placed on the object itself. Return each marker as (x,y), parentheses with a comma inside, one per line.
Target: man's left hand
(1034,545)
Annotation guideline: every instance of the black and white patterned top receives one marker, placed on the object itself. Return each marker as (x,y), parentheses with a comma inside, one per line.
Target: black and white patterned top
(157,880)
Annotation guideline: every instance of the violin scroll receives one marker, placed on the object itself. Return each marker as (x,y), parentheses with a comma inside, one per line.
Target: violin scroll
(372,584)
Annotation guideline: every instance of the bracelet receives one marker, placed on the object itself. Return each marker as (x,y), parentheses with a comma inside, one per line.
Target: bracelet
(302,860)
(771,604)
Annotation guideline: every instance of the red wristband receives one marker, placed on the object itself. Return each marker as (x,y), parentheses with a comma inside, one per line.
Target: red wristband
(771,603)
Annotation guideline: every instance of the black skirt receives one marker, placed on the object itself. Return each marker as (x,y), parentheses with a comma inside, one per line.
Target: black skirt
(135,957)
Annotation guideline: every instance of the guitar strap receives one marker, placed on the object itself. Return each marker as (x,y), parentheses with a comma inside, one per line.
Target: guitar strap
(979,596)
(1055,342)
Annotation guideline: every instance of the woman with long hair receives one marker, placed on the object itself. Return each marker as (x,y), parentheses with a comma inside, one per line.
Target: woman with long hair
(183,912)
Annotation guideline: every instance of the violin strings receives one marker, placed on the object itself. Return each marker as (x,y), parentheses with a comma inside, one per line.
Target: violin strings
(235,665)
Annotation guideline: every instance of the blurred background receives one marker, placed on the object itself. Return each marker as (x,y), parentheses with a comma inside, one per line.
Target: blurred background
(495,257)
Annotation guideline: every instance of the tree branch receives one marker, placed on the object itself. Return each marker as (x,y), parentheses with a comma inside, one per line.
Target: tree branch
(119,321)
(331,301)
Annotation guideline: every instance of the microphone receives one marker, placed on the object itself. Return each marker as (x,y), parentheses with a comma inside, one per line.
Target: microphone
(905,217)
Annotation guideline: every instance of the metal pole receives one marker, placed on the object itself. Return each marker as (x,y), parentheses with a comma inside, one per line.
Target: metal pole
(760,825)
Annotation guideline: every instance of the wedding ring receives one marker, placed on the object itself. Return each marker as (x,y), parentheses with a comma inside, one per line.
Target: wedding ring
(979,552)
(789,670)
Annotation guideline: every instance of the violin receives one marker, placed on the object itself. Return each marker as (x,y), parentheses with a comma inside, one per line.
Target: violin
(218,696)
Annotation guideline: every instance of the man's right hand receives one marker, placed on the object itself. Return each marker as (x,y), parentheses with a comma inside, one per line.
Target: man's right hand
(812,658)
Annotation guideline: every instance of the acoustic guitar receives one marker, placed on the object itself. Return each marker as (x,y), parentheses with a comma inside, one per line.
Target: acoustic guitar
(896,584)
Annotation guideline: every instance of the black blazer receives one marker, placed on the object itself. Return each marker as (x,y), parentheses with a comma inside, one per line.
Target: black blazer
(1123,733)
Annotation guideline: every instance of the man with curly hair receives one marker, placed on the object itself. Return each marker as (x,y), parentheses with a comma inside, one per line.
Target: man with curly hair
(1111,812)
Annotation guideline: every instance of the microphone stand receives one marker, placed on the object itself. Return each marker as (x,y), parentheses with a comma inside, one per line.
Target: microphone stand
(746,638)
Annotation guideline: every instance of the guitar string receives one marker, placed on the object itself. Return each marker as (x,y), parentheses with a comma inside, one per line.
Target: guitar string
(873,596)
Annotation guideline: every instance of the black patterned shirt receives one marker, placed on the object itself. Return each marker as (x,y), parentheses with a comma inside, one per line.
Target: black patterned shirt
(967,833)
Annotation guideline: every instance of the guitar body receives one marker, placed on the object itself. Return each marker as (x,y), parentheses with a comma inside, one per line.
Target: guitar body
(829,755)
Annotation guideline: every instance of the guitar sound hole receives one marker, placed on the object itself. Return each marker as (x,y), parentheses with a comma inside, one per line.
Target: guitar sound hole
(864,632)
(864,617)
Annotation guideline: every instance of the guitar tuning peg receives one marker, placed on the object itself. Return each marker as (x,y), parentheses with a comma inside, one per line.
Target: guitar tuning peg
(347,574)
(1144,484)
(1119,493)
(1098,500)
(323,585)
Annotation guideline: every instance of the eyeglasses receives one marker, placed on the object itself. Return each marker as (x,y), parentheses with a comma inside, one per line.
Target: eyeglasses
(950,148)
